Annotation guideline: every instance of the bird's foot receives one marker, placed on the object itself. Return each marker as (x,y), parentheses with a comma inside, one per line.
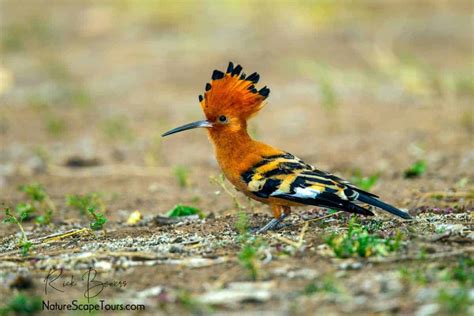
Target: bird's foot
(274,224)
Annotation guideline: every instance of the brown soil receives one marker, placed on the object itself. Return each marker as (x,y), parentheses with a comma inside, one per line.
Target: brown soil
(115,76)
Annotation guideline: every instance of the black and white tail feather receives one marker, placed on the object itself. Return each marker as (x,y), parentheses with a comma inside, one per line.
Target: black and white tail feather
(289,178)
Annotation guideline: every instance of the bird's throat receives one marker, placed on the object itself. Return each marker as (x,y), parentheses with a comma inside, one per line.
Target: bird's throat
(236,152)
(231,143)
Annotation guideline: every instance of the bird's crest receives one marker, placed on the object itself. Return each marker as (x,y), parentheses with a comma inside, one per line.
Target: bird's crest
(233,93)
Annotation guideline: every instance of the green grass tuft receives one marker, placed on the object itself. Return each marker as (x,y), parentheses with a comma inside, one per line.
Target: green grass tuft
(358,241)
(186,299)
(55,126)
(84,202)
(463,272)
(364,182)
(117,129)
(184,210)
(24,211)
(98,219)
(326,285)
(89,204)
(416,170)
(251,247)
(22,305)
(34,191)
(40,201)
(455,301)
(23,241)
(181,173)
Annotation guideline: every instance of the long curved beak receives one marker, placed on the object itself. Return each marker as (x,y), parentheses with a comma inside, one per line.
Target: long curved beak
(185,127)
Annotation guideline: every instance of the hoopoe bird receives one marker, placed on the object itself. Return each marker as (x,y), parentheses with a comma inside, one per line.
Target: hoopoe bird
(260,171)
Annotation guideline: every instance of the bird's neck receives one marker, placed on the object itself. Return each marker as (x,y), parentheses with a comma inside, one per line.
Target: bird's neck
(232,142)
(236,151)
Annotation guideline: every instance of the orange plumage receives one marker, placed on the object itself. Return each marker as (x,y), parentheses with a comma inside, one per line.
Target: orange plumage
(263,172)
(232,95)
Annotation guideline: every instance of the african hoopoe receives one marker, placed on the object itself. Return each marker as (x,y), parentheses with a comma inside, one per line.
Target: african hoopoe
(262,172)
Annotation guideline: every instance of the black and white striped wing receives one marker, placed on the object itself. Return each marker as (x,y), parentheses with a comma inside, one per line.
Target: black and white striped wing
(289,178)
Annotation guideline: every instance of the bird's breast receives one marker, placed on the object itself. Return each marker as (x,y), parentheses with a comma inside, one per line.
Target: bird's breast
(236,153)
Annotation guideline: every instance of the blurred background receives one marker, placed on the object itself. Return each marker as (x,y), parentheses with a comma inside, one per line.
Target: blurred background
(87,87)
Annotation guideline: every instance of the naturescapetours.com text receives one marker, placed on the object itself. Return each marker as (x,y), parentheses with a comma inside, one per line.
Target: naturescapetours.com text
(101,305)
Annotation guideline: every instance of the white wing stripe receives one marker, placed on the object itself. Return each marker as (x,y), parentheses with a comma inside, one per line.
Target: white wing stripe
(302,193)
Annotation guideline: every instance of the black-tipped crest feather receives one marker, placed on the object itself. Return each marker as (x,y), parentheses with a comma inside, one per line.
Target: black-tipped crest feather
(237,70)
(217,75)
(254,77)
(264,92)
(230,68)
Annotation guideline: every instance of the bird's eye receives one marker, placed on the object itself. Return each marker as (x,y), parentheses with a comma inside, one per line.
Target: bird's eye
(222,119)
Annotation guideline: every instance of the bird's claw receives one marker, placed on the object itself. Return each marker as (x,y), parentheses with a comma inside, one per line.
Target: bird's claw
(274,224)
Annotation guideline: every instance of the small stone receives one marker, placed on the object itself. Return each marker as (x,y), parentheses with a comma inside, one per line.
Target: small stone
(428,309)
(239,292)
(350,265)
(82,162)
(103,265)
(308,274)
(425,295)
(36,165)
(153,188)
(21,282)
(152,291)
(176,249)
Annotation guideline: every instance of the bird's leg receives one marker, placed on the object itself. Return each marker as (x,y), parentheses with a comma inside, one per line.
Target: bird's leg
(280,213)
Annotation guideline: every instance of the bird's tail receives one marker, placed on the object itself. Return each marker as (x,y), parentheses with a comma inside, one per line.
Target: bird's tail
(384,206)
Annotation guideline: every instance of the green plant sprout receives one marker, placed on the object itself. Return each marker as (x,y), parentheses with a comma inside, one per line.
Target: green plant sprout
(34,191)
(416,170)
(328,93)
(251,247)
(24,211)
(181,173)
(88,204)
(242,224)
(84,202)
(23,242)
(98,219)
(359,241)
(453,294)
(463,272)
(185,298)
(455,301)
(364,182)
(22,305)
(326,285)
(184,210)
(117,129)
(55,126)
(249,260)
(40,200)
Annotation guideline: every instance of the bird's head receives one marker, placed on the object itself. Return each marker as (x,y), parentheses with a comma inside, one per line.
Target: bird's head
(229,101)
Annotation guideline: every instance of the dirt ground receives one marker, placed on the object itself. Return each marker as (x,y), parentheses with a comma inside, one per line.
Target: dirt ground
(87,88)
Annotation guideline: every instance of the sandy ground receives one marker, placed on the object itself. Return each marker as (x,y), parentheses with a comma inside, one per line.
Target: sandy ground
(369,87)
